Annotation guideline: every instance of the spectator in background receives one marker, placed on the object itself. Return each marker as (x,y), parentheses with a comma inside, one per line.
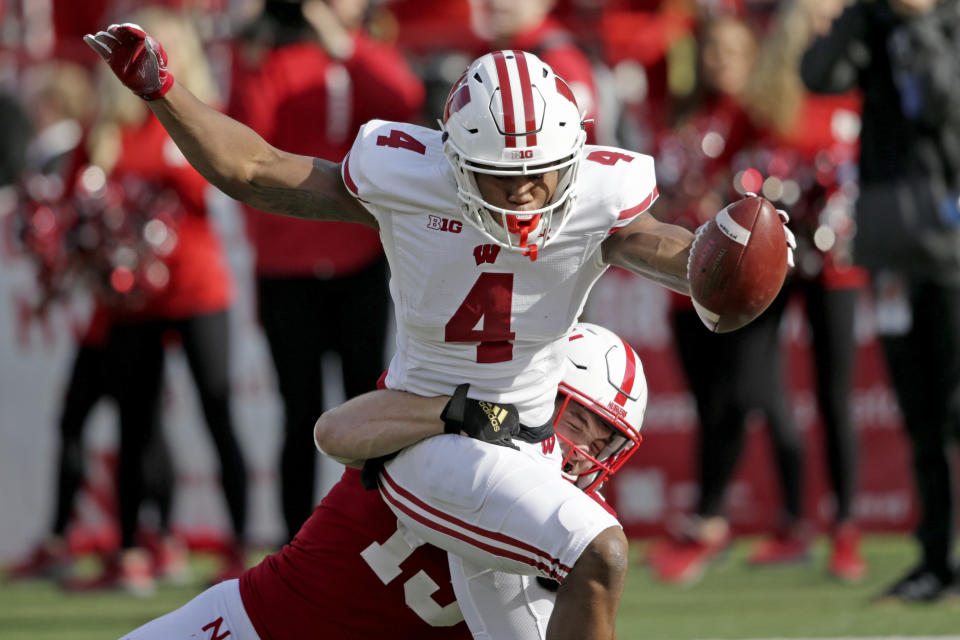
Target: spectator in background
(807,158)
(729,374)
(902,54)
(527,25)
(15,132)
(306,77)
(184,297)
(60,99)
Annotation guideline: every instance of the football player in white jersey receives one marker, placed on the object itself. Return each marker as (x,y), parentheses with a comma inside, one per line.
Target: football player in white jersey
(495,227)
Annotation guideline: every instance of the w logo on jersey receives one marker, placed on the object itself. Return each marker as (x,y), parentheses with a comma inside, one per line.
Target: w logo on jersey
(548,445)
(486,253)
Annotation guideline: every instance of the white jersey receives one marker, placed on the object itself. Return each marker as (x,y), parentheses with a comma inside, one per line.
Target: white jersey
(468,310)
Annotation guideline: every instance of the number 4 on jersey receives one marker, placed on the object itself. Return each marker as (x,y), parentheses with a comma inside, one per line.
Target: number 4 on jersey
(488,305)
(609,158)
(401,140)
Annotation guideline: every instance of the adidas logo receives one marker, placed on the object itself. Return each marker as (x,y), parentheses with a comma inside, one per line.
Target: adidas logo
(496,414)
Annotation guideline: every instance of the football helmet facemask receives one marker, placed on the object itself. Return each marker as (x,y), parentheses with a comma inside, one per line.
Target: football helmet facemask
(510,114)
(604,375)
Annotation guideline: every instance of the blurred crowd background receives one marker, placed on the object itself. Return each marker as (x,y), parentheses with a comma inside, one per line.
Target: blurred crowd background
(155,332)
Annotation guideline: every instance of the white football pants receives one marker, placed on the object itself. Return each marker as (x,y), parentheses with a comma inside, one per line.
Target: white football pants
(216,613)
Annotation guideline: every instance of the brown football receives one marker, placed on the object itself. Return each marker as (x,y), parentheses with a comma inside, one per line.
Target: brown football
(738,264)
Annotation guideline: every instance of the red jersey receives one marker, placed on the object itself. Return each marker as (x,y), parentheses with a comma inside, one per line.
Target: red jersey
(341,577)
(199,281)
(303,101)
(350,546)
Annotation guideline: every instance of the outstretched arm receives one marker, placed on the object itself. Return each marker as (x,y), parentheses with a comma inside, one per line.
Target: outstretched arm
(654,249)
(244,166)
(384,421)
(227,153)
(377,423)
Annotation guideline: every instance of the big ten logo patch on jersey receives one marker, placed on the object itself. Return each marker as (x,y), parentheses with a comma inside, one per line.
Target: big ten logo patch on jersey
(548,445)
(443,224)
(486,253)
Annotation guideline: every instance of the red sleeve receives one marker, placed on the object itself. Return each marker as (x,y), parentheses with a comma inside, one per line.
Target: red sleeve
(571,65)
(198,279)
(254,91)
(385,86)
(642,36)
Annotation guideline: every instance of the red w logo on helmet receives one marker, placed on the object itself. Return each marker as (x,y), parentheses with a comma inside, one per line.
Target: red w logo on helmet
(458,98)
(564,89)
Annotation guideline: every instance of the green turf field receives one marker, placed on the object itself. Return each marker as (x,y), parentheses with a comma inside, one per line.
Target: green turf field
(732,601)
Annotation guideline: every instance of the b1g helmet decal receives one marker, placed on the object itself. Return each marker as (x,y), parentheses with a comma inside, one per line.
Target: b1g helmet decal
(604,375)
(510,114)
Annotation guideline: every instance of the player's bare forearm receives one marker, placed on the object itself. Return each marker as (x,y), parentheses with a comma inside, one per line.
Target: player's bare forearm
(653,249)
(243,165)
(378,423)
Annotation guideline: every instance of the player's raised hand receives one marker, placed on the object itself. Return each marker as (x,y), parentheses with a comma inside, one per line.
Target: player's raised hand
(136,58)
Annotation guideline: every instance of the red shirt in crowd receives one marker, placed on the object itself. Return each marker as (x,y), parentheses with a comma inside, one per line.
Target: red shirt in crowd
(303,101)
(199,281)
(824,137)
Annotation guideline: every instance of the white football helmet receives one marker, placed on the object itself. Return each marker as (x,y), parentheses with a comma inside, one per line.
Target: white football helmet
(604,375)
(510,114)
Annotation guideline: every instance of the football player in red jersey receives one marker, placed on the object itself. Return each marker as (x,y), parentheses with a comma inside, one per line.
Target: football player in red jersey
(464,214)
(353,571)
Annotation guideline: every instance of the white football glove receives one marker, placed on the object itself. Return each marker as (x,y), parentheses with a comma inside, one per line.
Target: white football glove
(791,239)
(693,246)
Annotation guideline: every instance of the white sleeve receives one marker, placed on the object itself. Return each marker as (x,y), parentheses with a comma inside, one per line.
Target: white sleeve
(397,167)
(638,190)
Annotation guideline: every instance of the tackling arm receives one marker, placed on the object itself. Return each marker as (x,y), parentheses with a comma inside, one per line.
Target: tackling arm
(376,424)
(654,249)
(381,422)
